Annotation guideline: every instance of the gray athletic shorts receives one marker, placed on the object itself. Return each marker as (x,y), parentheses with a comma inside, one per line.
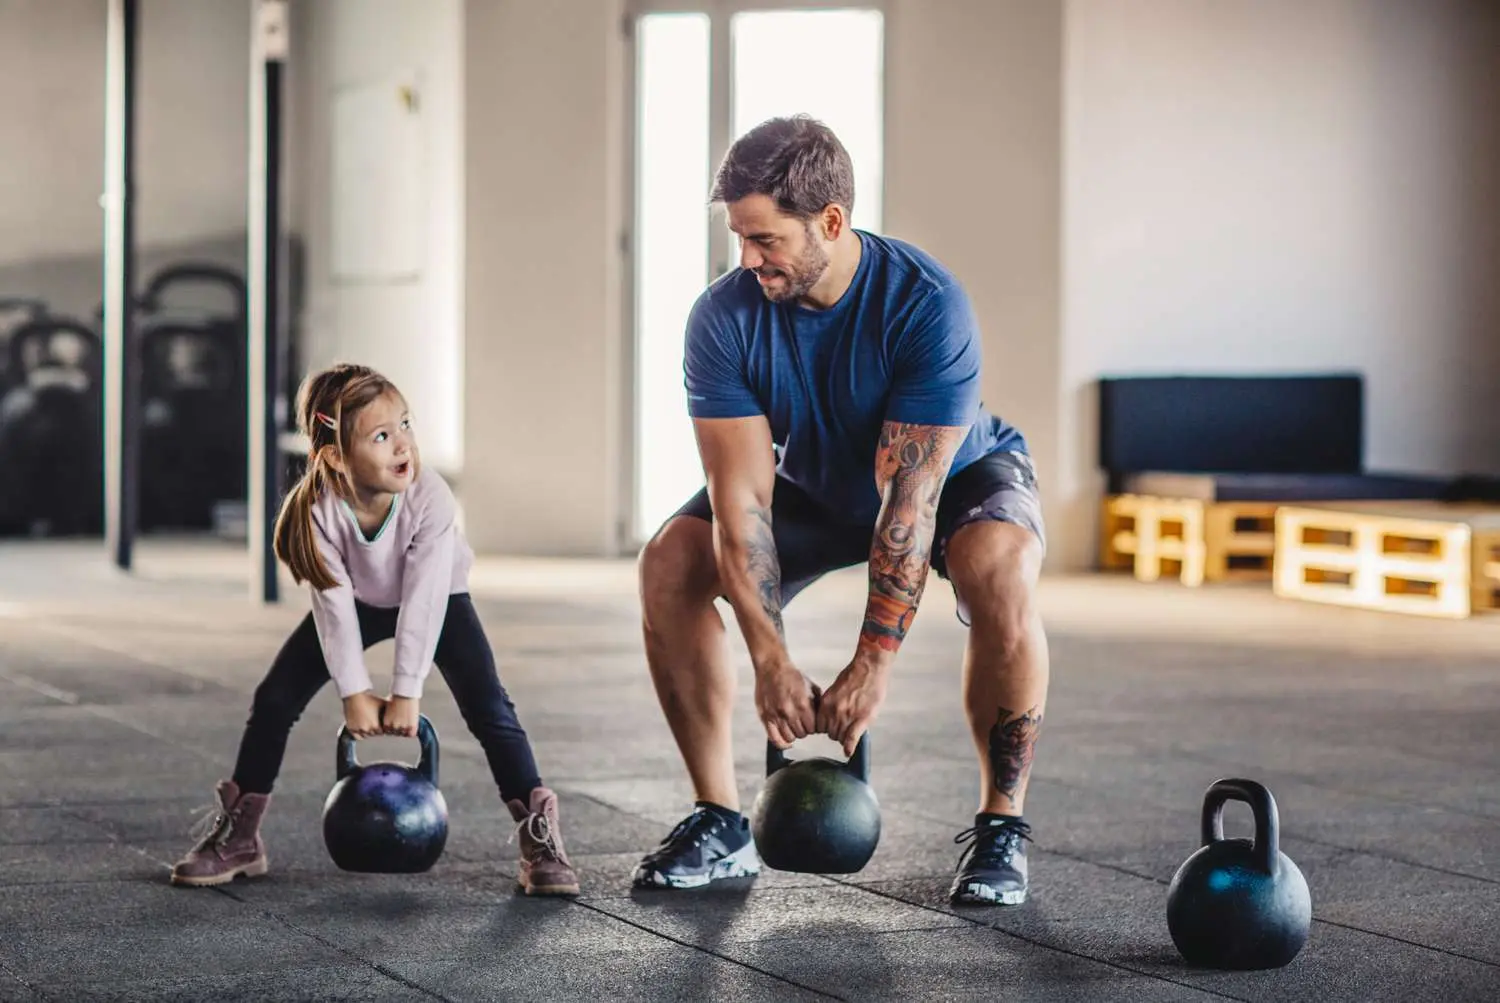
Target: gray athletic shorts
(810,542)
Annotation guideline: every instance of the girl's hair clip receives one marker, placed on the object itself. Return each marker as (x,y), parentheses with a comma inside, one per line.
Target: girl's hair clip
(324,419)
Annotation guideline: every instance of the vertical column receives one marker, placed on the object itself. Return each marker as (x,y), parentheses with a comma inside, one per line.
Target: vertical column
(541,344)
(720,112)
(266,307)
(122,399)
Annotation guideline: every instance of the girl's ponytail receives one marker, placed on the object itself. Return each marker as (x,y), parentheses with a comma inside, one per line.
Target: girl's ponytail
(296,538)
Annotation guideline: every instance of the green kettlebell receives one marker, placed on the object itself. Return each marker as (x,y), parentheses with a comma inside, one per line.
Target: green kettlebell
(817,816)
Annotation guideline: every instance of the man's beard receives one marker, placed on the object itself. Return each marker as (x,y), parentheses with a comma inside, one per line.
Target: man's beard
(799,278)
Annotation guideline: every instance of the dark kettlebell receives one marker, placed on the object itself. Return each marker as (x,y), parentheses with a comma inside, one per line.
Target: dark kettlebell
(386,817)
(816,816)
(1238,903)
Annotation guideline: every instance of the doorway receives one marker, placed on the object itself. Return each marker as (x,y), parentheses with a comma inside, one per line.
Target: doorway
(705,73)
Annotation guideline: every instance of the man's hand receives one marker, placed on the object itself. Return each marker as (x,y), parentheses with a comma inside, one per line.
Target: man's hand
(850,705)
(362,714)
(400,717)
(786,701)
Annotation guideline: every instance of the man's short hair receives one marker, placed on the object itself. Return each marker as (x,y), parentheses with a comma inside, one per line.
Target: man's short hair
(796,161)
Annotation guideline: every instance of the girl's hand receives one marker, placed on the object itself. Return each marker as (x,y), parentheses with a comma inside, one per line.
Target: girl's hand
(400,717)
(362,714)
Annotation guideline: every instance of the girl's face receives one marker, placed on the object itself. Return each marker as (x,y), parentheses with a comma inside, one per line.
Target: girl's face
(382,452)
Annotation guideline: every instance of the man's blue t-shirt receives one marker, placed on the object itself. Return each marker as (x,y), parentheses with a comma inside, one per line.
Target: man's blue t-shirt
(902,344)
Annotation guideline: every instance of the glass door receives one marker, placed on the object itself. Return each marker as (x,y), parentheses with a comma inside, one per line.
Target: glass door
(703,76)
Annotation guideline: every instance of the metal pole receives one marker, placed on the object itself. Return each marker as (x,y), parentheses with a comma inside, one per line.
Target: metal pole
(122,396)
(266,307)
(720,131)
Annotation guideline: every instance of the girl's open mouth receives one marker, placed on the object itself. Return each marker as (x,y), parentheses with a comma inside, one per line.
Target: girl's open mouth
(402,469)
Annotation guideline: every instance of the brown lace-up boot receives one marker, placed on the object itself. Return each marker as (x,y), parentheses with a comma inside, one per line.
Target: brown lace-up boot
(545,869)
(229,841)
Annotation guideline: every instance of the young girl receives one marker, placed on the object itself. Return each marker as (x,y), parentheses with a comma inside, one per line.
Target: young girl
(374,535)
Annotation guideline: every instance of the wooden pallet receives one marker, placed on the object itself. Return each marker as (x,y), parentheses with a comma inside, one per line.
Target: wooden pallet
(1421,558)
(1187,538)
(1485,561)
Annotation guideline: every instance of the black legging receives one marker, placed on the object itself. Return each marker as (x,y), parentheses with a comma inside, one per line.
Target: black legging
(464,658)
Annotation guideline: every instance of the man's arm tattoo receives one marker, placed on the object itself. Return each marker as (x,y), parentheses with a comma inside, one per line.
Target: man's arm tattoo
(764,565)
(910,467)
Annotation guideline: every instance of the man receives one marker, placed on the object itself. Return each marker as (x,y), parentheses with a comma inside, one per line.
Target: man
(857,357)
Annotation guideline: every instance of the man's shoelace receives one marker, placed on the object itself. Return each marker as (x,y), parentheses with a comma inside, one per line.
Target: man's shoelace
(992,845)
(689,832)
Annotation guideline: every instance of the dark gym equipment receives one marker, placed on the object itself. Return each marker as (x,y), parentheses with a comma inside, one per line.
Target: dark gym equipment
(1239,903)
(386,817)
(1245,438)
(51,438)
(17,310)
(817,816)
(195,421)
(153,299)
(271,255)
(15,313)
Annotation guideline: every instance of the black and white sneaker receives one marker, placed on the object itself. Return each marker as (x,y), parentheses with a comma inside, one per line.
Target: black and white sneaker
(992,869)
(703,847)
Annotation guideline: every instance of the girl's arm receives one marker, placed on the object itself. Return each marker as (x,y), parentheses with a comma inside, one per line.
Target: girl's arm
(338,624)
(426,581)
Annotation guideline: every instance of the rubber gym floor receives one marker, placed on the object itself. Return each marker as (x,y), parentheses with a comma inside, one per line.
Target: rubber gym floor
(122,701)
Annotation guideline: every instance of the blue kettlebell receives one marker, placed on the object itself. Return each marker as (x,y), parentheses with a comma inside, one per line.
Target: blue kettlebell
(1239,903)
(386,817)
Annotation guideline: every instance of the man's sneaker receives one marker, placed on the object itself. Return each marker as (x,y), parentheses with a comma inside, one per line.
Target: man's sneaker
(992,869)
(703,847)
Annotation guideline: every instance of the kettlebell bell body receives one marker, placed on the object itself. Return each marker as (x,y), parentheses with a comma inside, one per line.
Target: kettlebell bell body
(1239,904)
(386,817)
(816,816)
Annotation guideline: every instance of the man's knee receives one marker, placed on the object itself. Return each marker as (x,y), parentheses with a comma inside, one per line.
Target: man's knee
(679,564)
(994,567)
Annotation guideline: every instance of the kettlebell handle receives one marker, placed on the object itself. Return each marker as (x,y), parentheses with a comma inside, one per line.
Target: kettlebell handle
(427,740)
(858,765)
(42,328)
(1266,845)
(150,299)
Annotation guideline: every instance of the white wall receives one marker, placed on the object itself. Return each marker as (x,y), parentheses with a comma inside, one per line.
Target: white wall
(191,121)
(1272,186)
(973,166)
(193,114)
(410,330)
(545,186)
(1122,185)
(510,345)
(53,127)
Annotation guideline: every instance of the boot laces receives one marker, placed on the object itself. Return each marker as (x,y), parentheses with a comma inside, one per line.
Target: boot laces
(993,845)
(214,826)
(537,827)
